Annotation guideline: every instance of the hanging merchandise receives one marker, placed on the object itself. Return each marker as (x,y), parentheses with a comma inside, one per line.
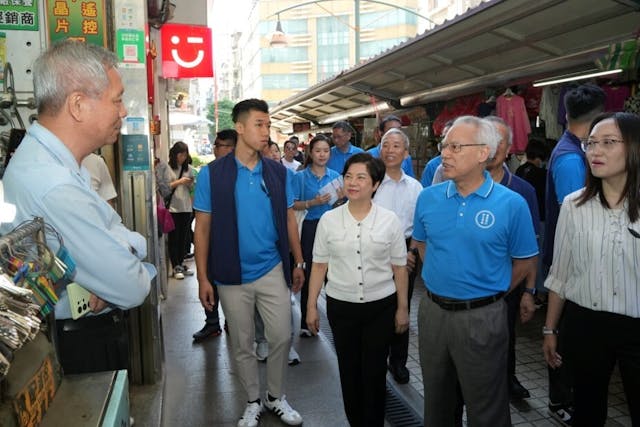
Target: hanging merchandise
(464,106)
(549,111)
(616,96)
(510,107)
(624,55)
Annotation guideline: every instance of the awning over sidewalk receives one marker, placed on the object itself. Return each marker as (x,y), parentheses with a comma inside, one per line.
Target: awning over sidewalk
(499,43)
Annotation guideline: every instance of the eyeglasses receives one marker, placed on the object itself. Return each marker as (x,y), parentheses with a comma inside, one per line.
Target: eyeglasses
(607,143)
(455,147)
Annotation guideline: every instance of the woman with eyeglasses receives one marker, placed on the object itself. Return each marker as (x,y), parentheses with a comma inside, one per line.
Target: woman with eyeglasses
(595,275)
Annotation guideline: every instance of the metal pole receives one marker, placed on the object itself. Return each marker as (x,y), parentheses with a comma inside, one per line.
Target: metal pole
(357,22)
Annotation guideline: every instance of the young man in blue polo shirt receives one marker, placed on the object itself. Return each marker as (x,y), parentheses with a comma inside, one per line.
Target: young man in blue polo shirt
(477,242)
(342,132)
(247,200)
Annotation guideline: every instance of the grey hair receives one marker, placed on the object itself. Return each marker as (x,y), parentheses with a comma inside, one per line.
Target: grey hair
(67,67)
(395,131)
(485,134)
(500,121)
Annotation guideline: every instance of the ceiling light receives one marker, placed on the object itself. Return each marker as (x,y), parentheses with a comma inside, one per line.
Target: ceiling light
(278,38)
(569,78)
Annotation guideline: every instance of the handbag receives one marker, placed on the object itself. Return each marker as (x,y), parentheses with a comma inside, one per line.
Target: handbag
(165,219)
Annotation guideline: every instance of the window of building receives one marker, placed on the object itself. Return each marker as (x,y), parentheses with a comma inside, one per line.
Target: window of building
(287,54)
(333,45)
(387,18)
(285,81)
(333,30)
(372,48)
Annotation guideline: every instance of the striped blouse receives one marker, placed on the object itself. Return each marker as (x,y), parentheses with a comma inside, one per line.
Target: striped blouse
(596,260)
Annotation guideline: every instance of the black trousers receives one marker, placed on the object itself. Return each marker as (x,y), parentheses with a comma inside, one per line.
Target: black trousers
(399,348)
(361,334)
(594,342)
(178,237)
(94,343)
(309,227)
(213,317)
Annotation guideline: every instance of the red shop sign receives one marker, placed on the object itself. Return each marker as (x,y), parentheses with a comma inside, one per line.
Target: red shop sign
(186,51)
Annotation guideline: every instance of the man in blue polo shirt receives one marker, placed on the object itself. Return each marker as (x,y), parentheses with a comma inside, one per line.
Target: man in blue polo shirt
(477,242)
(342,132)
(391,122)
(247,200)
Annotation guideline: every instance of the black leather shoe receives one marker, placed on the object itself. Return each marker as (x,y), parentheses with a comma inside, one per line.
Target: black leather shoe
(400,373)
(206,332)
(517,390)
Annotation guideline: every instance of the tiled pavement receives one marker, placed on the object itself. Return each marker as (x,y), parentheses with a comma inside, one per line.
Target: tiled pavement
(531,370)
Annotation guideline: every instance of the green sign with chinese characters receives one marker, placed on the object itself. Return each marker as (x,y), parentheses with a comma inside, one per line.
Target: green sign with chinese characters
(19,15)
(130,46)
(77,19)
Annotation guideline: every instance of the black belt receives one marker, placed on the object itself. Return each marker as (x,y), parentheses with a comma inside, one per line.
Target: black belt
(113,317)
(458,304)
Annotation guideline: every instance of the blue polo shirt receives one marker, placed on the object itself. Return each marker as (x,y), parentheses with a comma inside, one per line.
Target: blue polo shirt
(430,171)
(338,158)
(407,163)
(257,235)
(306,187)
(471,240)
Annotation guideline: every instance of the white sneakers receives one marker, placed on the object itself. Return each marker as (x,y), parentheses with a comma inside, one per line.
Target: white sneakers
(281,408)
(251,415)
(294,358)
(178,272)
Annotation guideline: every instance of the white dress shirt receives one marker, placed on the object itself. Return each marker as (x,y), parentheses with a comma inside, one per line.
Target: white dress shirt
(100,178)
(400,197)
(596,260)
(360,253)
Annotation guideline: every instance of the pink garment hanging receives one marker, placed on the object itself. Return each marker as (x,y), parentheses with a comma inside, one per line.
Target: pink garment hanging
(512,110)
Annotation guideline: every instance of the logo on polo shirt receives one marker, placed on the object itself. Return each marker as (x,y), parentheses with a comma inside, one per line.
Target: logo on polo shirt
(485,219)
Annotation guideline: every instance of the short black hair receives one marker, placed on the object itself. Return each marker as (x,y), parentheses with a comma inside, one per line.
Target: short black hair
(345,126)
(389,118)
(294,137)
(228,135)
(584,103)
(243,107)
(375,166)
(536,150)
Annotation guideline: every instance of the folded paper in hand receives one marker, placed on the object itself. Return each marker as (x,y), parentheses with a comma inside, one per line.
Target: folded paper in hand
(332,189)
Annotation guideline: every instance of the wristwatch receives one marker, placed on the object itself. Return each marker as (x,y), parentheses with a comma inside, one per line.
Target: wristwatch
(549,331)
(302,265)
(532,291)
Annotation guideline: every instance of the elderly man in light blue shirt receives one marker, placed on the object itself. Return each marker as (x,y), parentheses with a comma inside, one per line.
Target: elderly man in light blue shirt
(79,96)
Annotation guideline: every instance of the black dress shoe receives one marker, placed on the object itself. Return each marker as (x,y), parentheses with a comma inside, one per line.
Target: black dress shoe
(517,390)
(206,332)
(400,373)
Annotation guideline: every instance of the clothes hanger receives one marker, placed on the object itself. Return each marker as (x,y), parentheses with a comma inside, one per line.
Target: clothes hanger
(508,93)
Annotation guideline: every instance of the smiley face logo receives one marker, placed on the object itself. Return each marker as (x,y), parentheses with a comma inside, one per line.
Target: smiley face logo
(186,51)
(175,40)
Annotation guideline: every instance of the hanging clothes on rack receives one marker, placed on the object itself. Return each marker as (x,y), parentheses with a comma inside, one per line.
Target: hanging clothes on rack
(512,110)
(549,112)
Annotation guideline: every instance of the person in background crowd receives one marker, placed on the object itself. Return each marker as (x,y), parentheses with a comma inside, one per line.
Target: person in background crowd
(299,156)
(533,170)
(501,174)
(224,144)
(360,247)
(180,206)
(566,173)
(429,171)
(343,149)
(272,151)
(595,274)
(481,243)
(290,150)
(78,93)
(391,122)
(398,192)
(247,255)
(309,181)
(101,181)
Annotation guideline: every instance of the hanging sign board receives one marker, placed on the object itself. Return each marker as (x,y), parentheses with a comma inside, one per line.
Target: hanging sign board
(19,15)
(80,20)
(186,51)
